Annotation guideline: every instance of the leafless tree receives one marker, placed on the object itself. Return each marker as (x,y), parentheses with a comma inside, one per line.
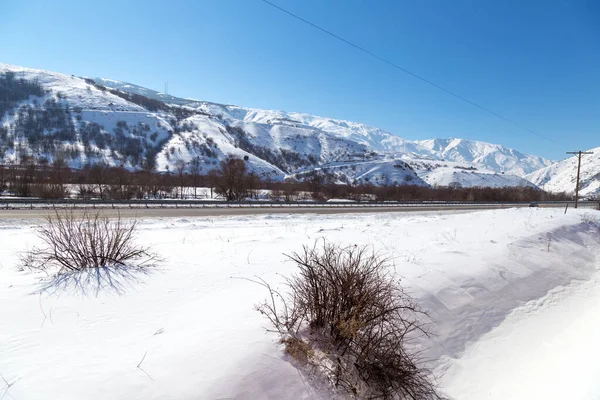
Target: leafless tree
(195,169)
(290,190)
(276,194)
(97,177)
(232,179)
(180,168)
(3,178)
(213,180)
(120,186)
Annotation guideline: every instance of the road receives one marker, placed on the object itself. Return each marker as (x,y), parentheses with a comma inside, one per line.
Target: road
(127,212)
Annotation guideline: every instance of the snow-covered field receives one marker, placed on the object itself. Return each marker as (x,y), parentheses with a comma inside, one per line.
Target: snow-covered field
(514,297)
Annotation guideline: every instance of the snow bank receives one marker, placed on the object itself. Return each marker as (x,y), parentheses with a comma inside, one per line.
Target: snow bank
(546,349)
(188,331)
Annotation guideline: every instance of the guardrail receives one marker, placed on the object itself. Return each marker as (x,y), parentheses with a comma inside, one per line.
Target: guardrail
(26,203)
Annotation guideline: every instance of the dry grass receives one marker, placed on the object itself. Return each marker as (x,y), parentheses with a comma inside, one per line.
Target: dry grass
(298,349)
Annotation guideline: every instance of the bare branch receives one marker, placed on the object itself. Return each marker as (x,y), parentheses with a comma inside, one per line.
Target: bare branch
(139,366)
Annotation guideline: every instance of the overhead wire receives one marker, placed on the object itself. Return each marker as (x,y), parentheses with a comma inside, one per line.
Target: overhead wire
(414,75)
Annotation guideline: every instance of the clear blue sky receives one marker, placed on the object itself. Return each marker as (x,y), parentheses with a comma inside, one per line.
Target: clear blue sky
(534,61)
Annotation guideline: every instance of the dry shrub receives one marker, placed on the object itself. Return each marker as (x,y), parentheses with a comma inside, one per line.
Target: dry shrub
(88,242)
(354,322)
(589,218)
(298,349)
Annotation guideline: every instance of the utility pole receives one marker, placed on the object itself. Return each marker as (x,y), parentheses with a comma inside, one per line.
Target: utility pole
(579,154)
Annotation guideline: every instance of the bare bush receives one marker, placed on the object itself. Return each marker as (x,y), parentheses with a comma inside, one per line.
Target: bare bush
(348,319)
(88,242)
(589,218)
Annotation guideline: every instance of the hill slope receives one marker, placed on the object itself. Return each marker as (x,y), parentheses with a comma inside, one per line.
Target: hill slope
(48,115)
(561,176)
(484,155)
(491,156)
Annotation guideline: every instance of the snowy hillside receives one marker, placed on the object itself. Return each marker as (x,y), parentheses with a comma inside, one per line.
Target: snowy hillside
(489,156)
(560,177)
(153,94)
(486,155)
(446,173)
(86,121)
(492,157)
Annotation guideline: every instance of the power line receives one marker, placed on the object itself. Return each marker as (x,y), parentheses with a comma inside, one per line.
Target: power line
(414,75)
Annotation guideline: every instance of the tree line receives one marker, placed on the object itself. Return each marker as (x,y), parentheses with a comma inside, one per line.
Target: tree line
(231,181)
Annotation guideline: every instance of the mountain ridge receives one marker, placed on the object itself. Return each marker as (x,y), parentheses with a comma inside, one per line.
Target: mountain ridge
(376,138)
(105,120)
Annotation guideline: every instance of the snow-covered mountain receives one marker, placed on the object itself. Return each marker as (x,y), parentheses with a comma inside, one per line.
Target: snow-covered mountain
(561,176)
(488,156)
(491,156)
(85,120)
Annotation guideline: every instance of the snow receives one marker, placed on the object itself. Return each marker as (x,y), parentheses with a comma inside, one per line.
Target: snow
(78,92)
(215,130)
(447,173)
(379,170)
(352,151)
(560,177)
(153,94)
(512,295)
(492,157)
(98,107)
(488,156)
(557,333)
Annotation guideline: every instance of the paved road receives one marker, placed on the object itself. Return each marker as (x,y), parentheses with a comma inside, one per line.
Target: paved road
(221,211)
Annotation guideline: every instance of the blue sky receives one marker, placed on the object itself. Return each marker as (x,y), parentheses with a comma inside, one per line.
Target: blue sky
(536,61)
